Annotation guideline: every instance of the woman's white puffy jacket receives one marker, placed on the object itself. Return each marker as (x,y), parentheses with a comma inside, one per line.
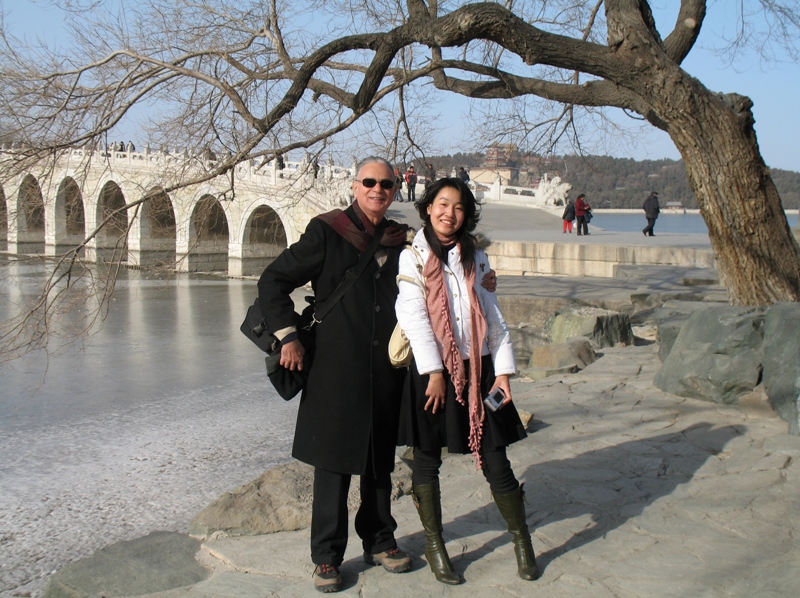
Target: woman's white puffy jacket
(412,312)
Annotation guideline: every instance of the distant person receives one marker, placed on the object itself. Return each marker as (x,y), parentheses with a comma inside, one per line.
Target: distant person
(463,175)
(568,216)
(411,183)
(651,212)
(430,176)
(582,214)
(398,181)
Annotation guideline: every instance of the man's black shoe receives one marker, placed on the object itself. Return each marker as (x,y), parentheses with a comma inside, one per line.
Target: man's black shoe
(327,579)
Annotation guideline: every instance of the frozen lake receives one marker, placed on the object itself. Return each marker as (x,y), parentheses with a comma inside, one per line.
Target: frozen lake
(165,408)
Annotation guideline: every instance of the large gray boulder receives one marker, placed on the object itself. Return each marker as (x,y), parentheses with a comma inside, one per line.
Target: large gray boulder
(670,318)
(782,362)
(279,500)
(603,327)
(717,355)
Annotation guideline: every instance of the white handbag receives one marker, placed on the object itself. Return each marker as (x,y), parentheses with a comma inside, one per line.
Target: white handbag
(400,354)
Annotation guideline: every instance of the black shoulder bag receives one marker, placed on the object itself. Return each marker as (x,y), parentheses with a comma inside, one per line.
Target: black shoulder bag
(289,383)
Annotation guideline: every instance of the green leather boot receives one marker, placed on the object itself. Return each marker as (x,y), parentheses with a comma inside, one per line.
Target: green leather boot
(513,511)
(427,499)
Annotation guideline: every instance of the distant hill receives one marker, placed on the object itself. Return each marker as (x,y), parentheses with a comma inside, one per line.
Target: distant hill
(622,182)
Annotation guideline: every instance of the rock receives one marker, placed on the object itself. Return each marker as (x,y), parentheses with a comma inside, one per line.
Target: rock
(756,403)
(603,327)
(536,374)
(646,304)
(526,417)
(562,358)
(648,332)
(717,355)
(279,500)
(157,562)
(782,362)
(670,318)
(668,331)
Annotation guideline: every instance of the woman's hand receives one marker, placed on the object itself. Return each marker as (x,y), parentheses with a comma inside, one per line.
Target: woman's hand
(435,392)
(292,355)
(502,382)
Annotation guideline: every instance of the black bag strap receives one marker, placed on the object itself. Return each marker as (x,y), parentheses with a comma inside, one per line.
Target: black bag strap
(351,276)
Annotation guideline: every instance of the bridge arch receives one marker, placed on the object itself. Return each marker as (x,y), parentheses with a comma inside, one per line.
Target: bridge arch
(112,238)
(264,237)
(30,216)
(157,230)
(208,236)
(70,215)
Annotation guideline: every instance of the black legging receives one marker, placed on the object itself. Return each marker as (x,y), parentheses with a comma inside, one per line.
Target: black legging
(495,465)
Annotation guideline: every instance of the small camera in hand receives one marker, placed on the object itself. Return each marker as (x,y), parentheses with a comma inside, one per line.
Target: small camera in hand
(495,399)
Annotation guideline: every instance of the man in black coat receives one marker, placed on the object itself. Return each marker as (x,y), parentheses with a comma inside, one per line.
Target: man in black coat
(348,416)
(651,211)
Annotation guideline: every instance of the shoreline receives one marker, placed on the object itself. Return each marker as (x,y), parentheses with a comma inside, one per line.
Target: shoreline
(667,211)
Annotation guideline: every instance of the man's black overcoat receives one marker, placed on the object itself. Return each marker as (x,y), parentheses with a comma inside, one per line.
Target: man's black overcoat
(352,400)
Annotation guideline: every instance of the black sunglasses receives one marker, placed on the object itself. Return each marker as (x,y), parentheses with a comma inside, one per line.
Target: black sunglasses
(370,183)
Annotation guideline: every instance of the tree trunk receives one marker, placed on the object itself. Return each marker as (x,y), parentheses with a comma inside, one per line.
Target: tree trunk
(757,256)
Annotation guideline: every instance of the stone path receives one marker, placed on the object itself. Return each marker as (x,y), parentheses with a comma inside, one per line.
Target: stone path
(631,492)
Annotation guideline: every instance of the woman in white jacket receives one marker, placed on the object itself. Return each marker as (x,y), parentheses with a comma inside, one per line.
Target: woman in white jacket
(462,352)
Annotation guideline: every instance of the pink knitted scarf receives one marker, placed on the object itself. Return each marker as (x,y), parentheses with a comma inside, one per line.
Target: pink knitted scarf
(442,324)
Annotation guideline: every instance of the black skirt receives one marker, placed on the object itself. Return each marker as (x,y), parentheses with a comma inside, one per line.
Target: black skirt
(450,427)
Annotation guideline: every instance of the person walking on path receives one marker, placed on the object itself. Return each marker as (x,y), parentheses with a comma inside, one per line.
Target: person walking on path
(349,411)
(651,212)
(411,183)
(462,352)
(430,176)
(568,217)
(582,210)
(463,175)
(398,182)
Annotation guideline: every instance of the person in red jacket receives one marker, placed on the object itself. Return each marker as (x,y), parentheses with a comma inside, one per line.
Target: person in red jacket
(582,210)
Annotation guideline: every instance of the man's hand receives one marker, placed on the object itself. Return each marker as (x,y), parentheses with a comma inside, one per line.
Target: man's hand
(292,355)
(489,281)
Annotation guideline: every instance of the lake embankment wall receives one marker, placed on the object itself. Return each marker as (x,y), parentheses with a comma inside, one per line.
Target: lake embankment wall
(528,258)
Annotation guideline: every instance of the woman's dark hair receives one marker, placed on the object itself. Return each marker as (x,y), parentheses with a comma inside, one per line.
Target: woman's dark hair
(464,234)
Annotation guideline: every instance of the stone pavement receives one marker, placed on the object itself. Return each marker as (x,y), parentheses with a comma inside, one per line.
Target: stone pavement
(631,492)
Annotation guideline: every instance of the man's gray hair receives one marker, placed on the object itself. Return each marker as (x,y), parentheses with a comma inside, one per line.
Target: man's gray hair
(373,160)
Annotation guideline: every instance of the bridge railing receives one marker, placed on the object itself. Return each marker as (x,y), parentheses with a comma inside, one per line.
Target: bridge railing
(252,170)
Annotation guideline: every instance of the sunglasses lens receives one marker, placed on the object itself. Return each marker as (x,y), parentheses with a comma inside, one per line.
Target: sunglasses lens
(385,183)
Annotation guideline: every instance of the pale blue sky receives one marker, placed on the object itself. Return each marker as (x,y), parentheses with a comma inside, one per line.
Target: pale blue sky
(774,88)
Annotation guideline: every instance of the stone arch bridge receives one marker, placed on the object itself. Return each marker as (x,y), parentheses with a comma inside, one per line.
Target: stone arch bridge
(236,223)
